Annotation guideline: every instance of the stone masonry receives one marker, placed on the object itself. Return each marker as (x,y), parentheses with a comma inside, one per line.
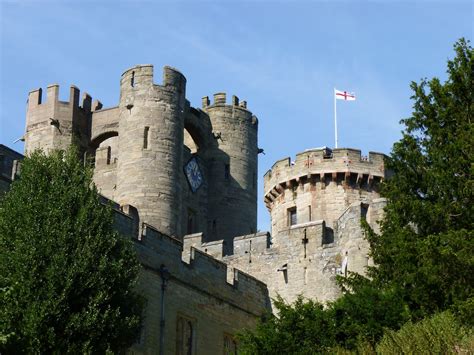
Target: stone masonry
(183,184)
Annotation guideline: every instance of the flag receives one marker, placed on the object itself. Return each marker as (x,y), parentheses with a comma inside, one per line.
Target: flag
(344,95)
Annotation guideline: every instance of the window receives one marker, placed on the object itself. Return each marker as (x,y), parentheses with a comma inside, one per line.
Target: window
(230,345)
(146,132)
(227,171)
(292,216)
(132,80)
(364,208)
(109,155)
(191,221)
(2,163)
(214,227)
(184,336)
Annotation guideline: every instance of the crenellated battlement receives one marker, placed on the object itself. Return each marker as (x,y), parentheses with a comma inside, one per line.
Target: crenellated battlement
(141,76)
(55,124)
(220,99)
(189,263)
(323,165)
(255,242)
(35,98)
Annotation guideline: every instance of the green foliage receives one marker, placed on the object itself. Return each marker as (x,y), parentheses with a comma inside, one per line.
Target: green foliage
(301,328)
(356,321)
(439,334)
(425,248)
(66,278)
(362,313)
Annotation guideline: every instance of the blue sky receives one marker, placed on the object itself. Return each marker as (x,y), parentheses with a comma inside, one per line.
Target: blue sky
(283,57)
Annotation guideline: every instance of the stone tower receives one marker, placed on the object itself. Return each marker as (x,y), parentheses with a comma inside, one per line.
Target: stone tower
(150,139)
(54,124)
(316,202)
(320,184)
(150,150)
(233,169)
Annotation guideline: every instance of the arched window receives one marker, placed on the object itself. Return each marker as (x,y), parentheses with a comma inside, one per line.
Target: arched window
(184,336)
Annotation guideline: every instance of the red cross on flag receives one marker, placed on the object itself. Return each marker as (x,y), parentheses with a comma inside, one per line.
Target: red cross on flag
(344,95)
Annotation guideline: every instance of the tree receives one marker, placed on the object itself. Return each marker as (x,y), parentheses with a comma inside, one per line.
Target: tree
(357,319)
(303,327)
(66,278)
(425,247)
(363,312)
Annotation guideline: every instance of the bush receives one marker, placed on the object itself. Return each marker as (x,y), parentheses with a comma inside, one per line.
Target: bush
(439,334)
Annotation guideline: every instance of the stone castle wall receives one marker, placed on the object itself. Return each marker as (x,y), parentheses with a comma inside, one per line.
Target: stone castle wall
(9,167)
(304,258)
(219,300)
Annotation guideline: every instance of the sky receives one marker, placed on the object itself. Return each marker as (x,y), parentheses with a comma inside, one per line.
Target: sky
(283,57)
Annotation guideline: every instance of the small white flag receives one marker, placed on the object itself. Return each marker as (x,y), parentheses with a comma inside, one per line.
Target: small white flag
(344,95)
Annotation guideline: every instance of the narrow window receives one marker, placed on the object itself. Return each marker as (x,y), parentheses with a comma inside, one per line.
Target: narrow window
(309,213)
(109,154)
(292,216)
(364,208)
(191,221)
(2,163)
(227,171)
(132,80)
(184,336)
(230,345)
(145,137)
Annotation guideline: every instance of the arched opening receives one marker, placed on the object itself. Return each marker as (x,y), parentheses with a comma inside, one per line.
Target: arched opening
(103,149)
(189,142)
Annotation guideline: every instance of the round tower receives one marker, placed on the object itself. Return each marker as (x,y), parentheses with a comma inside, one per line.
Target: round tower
(320,185)
(233,169)
(151,143)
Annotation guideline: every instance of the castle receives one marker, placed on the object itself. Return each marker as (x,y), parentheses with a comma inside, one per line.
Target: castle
(183,182)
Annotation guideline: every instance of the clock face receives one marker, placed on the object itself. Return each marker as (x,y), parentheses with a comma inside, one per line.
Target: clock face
(193,174)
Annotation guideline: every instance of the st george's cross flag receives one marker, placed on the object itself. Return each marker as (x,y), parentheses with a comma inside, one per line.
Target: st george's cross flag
(344,95)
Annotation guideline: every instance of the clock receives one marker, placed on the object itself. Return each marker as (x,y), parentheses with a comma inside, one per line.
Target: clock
(193,174)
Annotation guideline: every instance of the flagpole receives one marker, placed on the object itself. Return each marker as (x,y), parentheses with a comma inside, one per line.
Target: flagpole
(335,119)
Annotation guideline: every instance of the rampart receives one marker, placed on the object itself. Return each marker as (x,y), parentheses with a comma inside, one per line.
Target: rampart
(192,266)
(304,258)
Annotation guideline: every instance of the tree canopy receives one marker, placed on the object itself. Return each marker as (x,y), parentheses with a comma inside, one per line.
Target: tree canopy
(425,248)
(66,278)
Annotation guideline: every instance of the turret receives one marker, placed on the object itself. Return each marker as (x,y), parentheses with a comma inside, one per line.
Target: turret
(54,124)
(151,125)
(320,184)
(233,169)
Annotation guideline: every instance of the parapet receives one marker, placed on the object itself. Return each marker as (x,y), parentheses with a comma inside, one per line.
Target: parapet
(35,98)
(220,99)
(255,242)
(317,164)
(141,76)
(193,267)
